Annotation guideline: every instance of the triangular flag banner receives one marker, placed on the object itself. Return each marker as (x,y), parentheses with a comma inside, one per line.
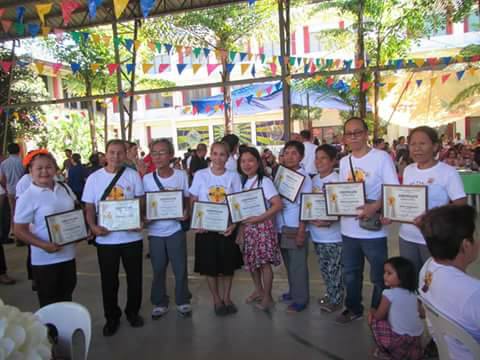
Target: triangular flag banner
(194,110)
(40,66)
(232,55)
(258,93)
(273,68)
(471,71)
(460,74)
(45,31)
(76,36)
(6,65)
(128,44)
(96,38)
(20,10)
(347,64)
(337,62)
(168,47)
(137,44)
(33,29)
(475,58)
(68,7)
(130,68)
(19,28)
(75,67)
(419,82)
(163,67)
(179,49)
(329,63)
(446,60)
(117,41)
(196,67)
(299,61)
(151,46)
(238,102)
(366,85)
(433,81)
(458,58)
(445,78)
(6,24)
(432,61)
(119,7)
(359,63)
(94,67)
(112,68)
(244,68)
(206,52)
(398,63)
(263,57)
(197,52)
(146,68)
(329,81)
(85,35)
(146,6)
(92,8)
(181,67)
(208,108)
(56,67)
(278,86)
(106,39)
(269,89)
(419,62)
(306,68)
(292,60)
(42,10)
(216,108)
(249,99)
(230,68)
(251,2)
(280,60)
(22,64)
(243,56)
(253,72)
(390,86)
(274,59)
(211,68)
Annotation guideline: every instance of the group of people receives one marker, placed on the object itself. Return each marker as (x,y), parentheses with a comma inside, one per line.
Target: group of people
(434,252)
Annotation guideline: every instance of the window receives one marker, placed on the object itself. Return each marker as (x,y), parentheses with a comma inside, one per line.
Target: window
(195,94)
(127,103)
(45,81)
(436,25)
(472,22)
(161,59)
(315,42)
(158,101)
(271,48)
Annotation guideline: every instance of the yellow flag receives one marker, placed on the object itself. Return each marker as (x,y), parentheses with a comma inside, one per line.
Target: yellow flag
(471,71)
(45,30)
(218,54)
(151,45)
(146,67)
(94,67)
(250,57)
(42,10)
(106,39)
(96,38)
(137,44)
(459,58)
(216,107)
(179,48)
(244,68)
(433,81)
(317,77)
(274,59)
(196,67)
(390,86)
(119,7)
(40,67)
(419,62)
(259,93)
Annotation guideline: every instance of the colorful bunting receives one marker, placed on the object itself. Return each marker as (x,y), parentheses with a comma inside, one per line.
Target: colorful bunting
(211,68)
(269,89)
(273,68)
(230,68)
(128,44)
(244,68)
(92,8)
(359,63)
(239,101)
(419,62)
(94,67)
(7,24)
(460,74)
(168,47)
(446,60)
(146,6)
(347,63)
(146,68)
(445,78)
(119,7)
(243,56)
(6,65)
(472,71)
(432,61)
(206,52)
(180,68)
(419,82)
(196,67)
(163,67)
(45,31)
(433,81)
(249,99)
(130,68)
(20,11)
(366,85)
(40,67)
(75,67)
(42,10)
(33,29)
(19,28)
(253,72)
(68,7)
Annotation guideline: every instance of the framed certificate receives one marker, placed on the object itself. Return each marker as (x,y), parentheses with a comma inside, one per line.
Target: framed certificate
(119,215)
(164,205)
(246,204)
(66,227)
(312,207)
(343,199)
(404,203)
(288,183)
(209,216)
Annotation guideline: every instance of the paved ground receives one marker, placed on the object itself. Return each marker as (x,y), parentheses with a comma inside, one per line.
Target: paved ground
(250,333)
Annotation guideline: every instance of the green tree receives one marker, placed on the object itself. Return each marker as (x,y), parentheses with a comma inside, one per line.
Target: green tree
(472,90)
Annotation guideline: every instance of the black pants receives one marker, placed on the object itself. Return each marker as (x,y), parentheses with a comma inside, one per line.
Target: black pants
(3,262)
(109,257)
(55,282)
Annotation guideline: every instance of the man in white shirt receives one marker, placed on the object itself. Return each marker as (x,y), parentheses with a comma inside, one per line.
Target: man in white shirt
(232,142)
(112,247)
(308,162)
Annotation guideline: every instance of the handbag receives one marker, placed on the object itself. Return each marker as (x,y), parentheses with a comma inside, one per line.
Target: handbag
(372,223)
(185,224)
(288,237)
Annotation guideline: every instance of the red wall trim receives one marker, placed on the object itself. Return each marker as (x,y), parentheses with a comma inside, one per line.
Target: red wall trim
(451,130)
(56,88)
(306,40)
(149,134)
(294,43)
(184,97)
(468,122)
(449,27)
(148,102)
(465,25)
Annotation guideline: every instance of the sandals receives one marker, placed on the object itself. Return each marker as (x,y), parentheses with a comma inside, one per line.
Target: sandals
(231,309)
(253,299)
(220,309)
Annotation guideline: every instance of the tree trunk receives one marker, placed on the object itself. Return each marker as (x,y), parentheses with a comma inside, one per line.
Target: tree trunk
(105,129)
(376,98)
(362,99)
(91,116)
(227,98)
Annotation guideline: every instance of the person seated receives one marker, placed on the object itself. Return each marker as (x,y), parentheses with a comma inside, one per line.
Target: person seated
(449,232)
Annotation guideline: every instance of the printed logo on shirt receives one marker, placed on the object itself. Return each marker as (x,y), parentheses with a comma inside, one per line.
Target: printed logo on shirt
(360,175)
(429,181)
(317,189)
(217,194)
(116,193)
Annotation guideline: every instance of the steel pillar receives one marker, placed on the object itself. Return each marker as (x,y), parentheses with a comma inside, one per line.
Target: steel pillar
(284,29)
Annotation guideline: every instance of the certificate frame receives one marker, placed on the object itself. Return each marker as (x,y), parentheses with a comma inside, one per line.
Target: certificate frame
(133,201)
(194,223)
(52,229)
(148,193)
(302,212)
(353,212)
(281,169)
(386,201)
(231,205)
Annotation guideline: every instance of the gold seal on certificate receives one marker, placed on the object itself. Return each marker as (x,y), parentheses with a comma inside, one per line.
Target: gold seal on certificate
(343,199)
(246,204)
(209,216)
(164,205)
(288,183)
(66,227)
(404,203)
(119,215)
(312,207)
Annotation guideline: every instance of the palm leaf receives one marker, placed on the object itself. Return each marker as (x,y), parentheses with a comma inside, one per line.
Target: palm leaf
(471,91)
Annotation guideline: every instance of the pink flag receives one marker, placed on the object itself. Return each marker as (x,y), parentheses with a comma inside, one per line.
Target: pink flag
(194,110)
(6,24)
(432,61)
(366,85)
(6,65)
(273,68)
(329,81)
(56,67)
(208,108)
(163,67)
(445,78)
(211,68)
(238,102)
(68,7)
(269,90)
(112,68)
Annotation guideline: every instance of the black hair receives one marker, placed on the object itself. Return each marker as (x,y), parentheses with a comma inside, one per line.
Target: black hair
(427,130)
(116,142)
(242,148)
(306,134)
(260,171)
(77,158)
(378,141)
(13,149)
(364,124)
(405,272)
(444,229)
(94,160)
(232,141)
(297,145)
(166,142)
(202,146)
(328,149)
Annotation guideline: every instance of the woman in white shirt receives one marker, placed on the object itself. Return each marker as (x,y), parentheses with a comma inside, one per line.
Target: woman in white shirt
(444,186)
(217,256)
(53,266)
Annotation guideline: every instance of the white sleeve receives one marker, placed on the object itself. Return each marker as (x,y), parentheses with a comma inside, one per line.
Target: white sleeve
(455,188)
(268,188)
(24,210)
(88,195)
(196,184)
(471,310)
(185,184)
(138,184)
(389,172)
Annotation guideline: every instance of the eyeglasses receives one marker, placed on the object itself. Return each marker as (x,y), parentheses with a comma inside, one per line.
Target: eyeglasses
(354,134)
(159,153)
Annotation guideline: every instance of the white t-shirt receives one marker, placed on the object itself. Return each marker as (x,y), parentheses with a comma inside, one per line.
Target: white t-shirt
(290,214)
(209,187)
(444,185)
(403,314)
(178,181)
(23,184)
(375,168)
(269,190)
(129,186)
(231,164)
(329,234)
(31,208)
(308,161)
(456,295)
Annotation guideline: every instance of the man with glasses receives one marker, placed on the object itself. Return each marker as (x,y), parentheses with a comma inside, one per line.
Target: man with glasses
(372,167)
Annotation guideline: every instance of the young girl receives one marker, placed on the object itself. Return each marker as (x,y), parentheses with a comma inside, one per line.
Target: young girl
(257,234)
(396,323)
(216,254)
(295,259)
(326,235)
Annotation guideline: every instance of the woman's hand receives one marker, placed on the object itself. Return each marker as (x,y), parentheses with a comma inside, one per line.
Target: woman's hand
(367,211)
(230,230)
(300,238)
(385,221)
(370,317)
(99,230)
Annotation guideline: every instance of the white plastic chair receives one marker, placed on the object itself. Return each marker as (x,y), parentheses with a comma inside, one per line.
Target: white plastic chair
(74,326)
(443,326)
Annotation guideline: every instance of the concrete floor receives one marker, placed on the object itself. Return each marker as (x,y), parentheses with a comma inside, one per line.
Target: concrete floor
(308,335)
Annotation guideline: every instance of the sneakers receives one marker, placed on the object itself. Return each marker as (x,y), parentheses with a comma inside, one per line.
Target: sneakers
(159,311)
(330,308)
(296,308)
(135,321)
(184,310)
(347,316)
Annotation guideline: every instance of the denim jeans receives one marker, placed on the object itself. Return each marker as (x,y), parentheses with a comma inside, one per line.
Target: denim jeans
(354,253)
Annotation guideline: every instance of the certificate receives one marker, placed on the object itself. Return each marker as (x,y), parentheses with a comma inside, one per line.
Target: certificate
(119,215)
(66,227)
(164,205)
(343,199)
(288,183)
(404,203)
(209,216)
(312,207)
(246,204)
